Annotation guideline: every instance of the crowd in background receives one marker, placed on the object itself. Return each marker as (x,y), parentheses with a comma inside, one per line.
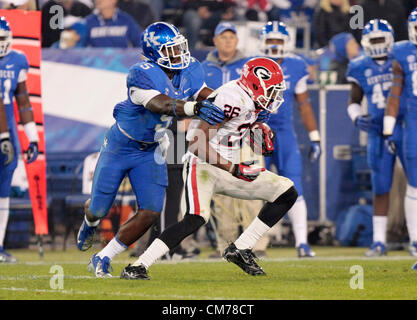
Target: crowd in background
(119,23)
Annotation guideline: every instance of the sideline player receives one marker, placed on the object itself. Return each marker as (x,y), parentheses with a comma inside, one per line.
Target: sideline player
(404,70)
(213,166)
(158,88)
(370,75)
(13,74)
(286,157)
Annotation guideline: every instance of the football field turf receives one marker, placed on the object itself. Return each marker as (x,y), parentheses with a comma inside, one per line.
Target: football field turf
(328,276)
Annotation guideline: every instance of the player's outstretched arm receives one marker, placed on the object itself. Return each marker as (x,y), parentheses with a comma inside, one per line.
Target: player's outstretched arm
(29,125)
(204,109)
(6,146)
(309,121)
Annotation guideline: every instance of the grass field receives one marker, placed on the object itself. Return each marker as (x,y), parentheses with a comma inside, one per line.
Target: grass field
(328,276)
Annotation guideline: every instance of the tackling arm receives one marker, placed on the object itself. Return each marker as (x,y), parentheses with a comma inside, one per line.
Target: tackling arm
(202,108)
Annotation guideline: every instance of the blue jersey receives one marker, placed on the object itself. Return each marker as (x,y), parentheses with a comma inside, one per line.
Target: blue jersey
(405,52)
(375,81)
(13,69)
(139,122)
(294,69)
(218,73)
(120,31)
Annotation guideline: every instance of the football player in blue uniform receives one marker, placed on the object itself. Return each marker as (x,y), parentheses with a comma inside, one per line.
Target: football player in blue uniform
(404,70)
(370,75)
(287,157)
(158,88)
(13,73)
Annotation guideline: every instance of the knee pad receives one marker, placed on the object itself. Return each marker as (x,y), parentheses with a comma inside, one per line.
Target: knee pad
(290,196)
(179,231)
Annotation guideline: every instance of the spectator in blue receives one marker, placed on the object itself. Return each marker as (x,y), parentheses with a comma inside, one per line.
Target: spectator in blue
(72,36)
(226,61)
(109,26)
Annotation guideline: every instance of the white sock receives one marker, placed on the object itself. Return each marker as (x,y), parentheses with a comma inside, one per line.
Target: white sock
(112,249)
(380,228)
(156,250)
(410,208)
(91,224)
(4,217)
(252,234)
(298,217)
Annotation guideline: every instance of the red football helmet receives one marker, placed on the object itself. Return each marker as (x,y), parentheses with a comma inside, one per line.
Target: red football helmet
(263,80)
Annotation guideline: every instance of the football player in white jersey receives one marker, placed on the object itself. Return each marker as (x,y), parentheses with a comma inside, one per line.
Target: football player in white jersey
(213,166)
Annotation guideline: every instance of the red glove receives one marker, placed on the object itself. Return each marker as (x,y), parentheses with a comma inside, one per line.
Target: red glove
(245,172)
(261,139)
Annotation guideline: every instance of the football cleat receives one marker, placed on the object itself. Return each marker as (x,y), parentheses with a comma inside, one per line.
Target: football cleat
(85,236)
(413,249)
(135,273)
(100,266)
(244,259)
(377,249)
(414,267)
(304,251)
(6,257)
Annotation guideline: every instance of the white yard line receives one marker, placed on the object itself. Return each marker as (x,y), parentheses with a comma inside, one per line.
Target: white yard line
(336,258)
(118,294)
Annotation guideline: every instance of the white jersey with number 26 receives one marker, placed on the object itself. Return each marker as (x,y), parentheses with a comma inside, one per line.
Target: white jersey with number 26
(240,111)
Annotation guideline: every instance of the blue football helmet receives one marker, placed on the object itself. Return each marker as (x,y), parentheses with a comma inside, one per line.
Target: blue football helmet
(412,25)
(275,30)
(163,44)
(374,29)
(5,37)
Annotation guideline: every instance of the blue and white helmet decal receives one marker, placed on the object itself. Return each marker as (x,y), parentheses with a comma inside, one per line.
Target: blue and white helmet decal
(275,30)
(163,44)
(412,24)
(5,37)
(377,29)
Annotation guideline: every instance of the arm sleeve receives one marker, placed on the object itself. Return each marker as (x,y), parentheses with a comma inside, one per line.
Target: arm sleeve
(301,85)
(351,75)
(24,69)
(142,96)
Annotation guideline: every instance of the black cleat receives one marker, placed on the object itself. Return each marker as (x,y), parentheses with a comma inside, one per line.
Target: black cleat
(134,273)
(245,259)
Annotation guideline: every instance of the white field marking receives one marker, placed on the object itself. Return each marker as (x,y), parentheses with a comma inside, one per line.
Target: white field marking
(118,293)
(40,277)
(218,260)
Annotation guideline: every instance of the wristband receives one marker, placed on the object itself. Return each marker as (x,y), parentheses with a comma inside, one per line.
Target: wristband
(314,135)
(189,108)
(173,108)
(393,95)
(4,135)
(389,124)
(31,132)
(354,110)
